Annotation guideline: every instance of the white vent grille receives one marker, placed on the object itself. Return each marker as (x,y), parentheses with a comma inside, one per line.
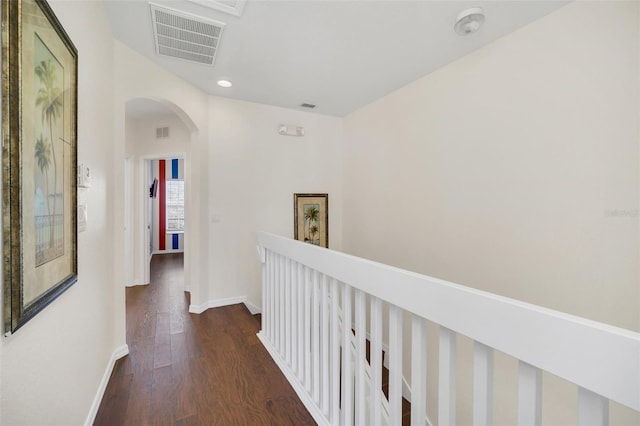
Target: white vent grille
(162,132)
(232,7)
(184,36)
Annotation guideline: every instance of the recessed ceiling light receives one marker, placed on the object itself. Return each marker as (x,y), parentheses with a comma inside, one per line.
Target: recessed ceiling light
(469,21)
(224,83)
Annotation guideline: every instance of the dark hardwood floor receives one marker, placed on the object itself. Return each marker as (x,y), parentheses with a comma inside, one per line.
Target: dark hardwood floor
(187,369)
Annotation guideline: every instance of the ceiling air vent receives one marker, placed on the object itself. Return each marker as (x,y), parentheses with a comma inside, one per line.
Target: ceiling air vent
(232,7)
(185,36)
(306,105)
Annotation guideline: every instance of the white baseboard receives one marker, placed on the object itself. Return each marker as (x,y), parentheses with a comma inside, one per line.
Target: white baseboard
(406,390)
(167,251)
(406,394)
(253,308)
(120,352)
(117,354)
(198,309)
(137,282)
(293,381)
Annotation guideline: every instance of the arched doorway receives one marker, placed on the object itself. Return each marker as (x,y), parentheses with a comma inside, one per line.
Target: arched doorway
(155,130)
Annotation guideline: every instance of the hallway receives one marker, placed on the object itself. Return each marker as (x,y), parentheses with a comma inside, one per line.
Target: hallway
(187,369)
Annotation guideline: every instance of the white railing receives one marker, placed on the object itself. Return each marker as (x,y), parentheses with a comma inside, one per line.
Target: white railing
(307,290)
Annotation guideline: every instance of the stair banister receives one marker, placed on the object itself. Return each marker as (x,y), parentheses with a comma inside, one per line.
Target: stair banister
(542,339)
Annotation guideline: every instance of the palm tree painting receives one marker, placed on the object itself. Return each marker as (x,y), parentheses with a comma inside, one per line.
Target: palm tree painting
(48,152)
(43,159)
(312,223)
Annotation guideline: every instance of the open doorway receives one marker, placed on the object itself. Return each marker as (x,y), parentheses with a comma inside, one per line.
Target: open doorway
(157,146)
(165,206)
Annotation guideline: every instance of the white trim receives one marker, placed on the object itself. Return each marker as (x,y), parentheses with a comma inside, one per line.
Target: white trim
(129,223)
(293,381)
(406,390)
(385,361)
(253,308)
(406,394)
(117,354)
(195,309)
(136,283)
(167,251)
(221,6)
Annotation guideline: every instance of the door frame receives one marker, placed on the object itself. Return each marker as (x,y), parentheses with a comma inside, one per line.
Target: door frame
(144,223)
(129,241)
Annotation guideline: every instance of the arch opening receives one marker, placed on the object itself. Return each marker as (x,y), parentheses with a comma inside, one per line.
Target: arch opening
(140,150)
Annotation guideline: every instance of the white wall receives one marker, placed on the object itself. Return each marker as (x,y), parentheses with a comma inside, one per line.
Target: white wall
(244,174)
(51,367)
(503,171)
(141,136)
(254,174)
(138,77)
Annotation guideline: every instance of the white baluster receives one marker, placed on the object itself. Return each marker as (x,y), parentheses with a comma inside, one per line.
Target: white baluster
(263,253)
(335,354)
(283,306)
(347,370)
(482,385)
(315,339)
(307,329)
(294,317)
(324,345)
(395,365)
(301,323)
(277,302)
(593,410)
(375,355)
(361,357)
(266,297)
(273,294)
(529,395)
(418,371)
(447,378)
(287,308)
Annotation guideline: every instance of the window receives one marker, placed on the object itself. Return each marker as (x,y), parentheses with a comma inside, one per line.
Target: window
(175,206)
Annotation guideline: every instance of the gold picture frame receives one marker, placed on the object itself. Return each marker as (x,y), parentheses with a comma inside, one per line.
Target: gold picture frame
(39,165)
(311,218)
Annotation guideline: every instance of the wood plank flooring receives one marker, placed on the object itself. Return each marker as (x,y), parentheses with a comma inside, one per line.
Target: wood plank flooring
(186,369)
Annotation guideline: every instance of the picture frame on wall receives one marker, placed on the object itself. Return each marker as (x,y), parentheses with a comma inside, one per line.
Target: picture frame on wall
(39,126)
(311,218)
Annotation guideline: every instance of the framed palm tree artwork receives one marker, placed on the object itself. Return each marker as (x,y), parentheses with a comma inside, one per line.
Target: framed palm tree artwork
(311,218)
(39,114)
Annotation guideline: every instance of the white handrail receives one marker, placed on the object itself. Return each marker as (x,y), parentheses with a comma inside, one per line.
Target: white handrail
(600,358)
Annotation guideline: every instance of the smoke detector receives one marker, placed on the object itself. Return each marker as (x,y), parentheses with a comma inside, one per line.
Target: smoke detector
(185,36)
(469,21)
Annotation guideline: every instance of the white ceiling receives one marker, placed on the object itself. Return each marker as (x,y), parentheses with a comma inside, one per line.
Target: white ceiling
(337,54)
